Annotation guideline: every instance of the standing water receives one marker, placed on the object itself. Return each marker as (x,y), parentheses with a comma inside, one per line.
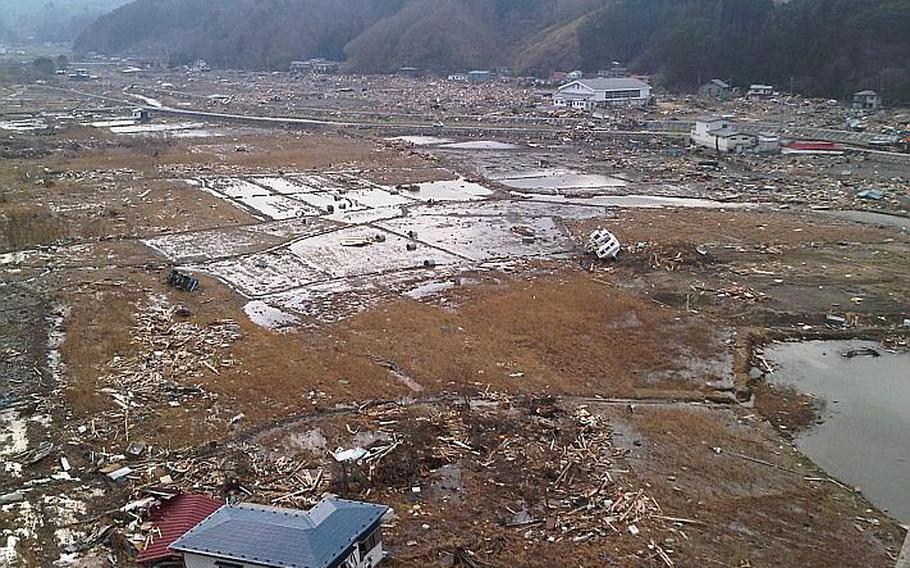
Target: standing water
(865,437)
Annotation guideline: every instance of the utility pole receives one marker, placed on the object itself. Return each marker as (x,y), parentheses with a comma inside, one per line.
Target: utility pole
(780,126)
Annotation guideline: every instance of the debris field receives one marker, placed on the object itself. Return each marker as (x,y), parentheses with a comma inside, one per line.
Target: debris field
(538,338)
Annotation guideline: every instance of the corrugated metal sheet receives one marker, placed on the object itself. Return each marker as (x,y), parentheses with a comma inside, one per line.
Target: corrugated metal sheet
(814,145)
(173,519)
(608,84)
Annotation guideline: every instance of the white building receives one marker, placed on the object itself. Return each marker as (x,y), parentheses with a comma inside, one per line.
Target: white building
(768,143)
(591,93)
(480,75)
(200,66)
(316,66)
(760,91)
(720,134)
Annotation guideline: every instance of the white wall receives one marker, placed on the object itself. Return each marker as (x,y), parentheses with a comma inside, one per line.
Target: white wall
(370,560)
(646,93)
(737,143)
(705,132)
(573,90)
(198,561)
(373,557)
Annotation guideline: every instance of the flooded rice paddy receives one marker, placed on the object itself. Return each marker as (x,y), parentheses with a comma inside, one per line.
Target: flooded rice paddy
(864,438)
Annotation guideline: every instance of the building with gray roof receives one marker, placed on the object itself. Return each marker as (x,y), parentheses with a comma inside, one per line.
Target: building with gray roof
(333,533)
(603,91)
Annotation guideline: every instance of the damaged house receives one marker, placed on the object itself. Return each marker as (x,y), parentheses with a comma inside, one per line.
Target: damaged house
(716,89)
(721,135)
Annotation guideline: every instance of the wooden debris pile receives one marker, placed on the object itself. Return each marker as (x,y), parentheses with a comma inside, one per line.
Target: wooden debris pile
(171,354)
(169,360)
(668,257)
(575,453)
(248,474)
(585,500)
(549,473)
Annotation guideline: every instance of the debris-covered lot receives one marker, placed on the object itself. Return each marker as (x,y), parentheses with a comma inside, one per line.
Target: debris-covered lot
(265,314)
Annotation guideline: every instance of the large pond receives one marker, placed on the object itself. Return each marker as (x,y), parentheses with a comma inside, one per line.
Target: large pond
(864,439)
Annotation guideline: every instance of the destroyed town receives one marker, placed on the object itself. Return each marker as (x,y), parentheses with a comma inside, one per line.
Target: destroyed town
(456,283)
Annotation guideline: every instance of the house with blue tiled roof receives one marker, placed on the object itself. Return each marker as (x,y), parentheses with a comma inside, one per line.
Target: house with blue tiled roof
(336,533)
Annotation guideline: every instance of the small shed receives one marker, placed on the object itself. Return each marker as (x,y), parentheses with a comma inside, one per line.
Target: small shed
(715,89)
(768,143)
(867,100)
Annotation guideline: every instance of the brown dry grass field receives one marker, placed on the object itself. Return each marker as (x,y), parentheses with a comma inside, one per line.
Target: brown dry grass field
(261,150)
(125,187)
(741,227)
(562,334)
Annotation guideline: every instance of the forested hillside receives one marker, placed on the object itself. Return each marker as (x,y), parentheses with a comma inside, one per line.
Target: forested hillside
(823,46)
(827,47)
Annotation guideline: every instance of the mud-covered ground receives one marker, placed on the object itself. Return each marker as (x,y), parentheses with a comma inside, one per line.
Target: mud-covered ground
(520,402)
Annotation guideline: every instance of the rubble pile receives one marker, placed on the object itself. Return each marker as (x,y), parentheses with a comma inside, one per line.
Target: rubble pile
(548,472)
(570,460)
(599,505)
(241,473)
(170,358)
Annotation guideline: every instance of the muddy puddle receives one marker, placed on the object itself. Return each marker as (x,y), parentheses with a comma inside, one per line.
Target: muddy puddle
(559,179)
(872,218)
(480,145)
(864,439)
(635,201)
(422,140)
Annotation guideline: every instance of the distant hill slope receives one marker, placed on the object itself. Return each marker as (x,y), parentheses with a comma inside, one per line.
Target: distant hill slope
(235,33)
(825,47)
(51,20)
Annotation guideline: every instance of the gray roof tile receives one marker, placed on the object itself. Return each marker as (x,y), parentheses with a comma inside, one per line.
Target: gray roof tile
(285,538)
(607,84)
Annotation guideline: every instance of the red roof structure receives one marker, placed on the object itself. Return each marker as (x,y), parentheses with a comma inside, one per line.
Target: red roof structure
(172,519)
(814,145)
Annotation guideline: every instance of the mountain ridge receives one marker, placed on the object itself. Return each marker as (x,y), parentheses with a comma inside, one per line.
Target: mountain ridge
(825,47)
